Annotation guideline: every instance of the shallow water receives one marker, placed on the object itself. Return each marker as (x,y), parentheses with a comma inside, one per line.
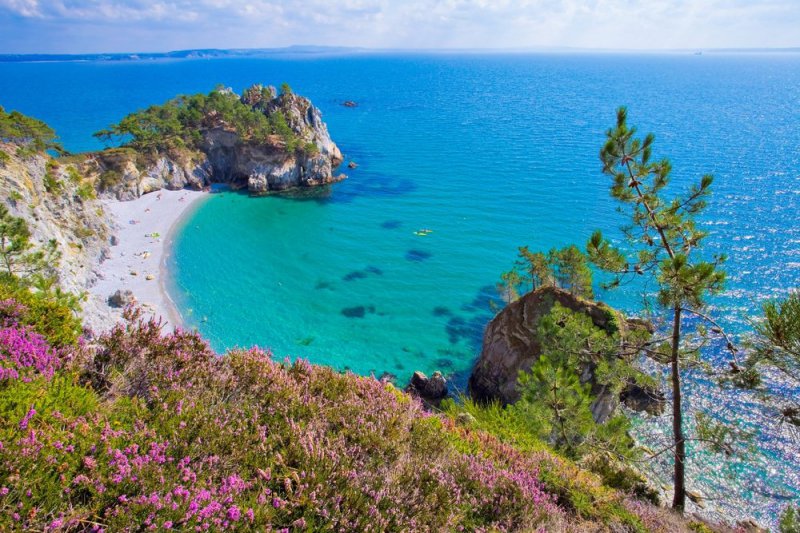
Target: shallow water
(490,153)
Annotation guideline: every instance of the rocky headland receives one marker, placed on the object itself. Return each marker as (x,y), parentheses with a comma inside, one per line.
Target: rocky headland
(259,141)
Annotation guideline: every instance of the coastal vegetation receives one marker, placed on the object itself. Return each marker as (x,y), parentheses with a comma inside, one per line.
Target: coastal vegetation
(27,133)
(140,426)
(155,429)
(178,124)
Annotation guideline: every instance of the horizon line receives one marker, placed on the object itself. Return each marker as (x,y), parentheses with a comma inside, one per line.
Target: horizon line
(310,49)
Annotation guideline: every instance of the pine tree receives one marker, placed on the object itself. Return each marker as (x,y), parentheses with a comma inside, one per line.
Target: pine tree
(662,239)
(18,259)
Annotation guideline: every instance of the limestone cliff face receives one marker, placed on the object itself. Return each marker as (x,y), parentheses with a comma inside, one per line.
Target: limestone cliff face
(510,345)
(57,203)
(223,157)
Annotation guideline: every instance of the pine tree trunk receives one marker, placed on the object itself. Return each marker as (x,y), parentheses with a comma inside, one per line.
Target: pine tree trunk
(679,498)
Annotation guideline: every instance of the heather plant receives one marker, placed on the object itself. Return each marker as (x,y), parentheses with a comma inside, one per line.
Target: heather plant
(50,313)
(23,352)
(155,431)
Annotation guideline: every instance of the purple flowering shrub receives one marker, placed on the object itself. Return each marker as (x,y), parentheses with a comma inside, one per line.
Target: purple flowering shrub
(156,432)
(23,352)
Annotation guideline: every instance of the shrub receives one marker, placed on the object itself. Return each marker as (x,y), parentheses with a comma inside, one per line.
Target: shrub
(790,520)
(85,191)
(109,179)
(49,313)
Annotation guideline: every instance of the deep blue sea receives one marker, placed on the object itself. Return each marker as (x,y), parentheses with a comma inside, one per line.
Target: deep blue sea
(490,152)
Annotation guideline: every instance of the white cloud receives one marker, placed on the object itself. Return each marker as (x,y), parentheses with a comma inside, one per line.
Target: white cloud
(426,23)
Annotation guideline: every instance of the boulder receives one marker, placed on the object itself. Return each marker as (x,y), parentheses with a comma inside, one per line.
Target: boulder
(510,345)
(430,390)
(644,399)
(121,298)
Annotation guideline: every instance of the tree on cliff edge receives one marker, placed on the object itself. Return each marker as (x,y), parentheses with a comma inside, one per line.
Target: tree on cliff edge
(662,239)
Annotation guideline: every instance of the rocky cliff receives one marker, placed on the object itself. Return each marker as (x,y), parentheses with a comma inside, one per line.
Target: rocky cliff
(59,204)
(511,345)
(299,153)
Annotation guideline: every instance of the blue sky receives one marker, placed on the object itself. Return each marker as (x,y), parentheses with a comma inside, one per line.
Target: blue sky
(80,26)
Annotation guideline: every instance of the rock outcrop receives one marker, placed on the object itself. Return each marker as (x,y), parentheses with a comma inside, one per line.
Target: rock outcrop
(223,156)
(121,298)
(59,204)
(511,345)
(431,390)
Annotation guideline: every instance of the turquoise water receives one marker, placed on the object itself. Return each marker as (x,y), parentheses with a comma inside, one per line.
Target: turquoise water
(490,152)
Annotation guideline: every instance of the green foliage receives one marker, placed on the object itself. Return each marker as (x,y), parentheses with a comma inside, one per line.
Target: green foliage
(573,486)
(31,134)
(566,268)
(277,121)
(73,175)
(662,238)
(51,182)
(15,196)
(109,179)
(555,400)
(4,157)
(51,313)
(285,89)
(790,520)
(179,123)
(17,256)
(777,348)
(85,191)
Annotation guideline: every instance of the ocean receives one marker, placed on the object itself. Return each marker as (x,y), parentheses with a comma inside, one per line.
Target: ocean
(489,152)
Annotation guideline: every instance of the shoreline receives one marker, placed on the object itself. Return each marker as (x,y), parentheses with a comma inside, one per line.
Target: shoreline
(145,229)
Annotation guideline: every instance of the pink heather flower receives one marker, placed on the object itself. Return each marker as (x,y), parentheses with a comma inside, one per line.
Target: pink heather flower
(23,424)
(167,524)
(3,491)
(277,503)
(251,516)
(234,513)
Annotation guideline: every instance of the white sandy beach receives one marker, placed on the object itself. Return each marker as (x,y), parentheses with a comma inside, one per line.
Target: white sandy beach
(144,230)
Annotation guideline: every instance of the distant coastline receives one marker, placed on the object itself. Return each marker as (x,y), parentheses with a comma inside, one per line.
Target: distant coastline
(304,50)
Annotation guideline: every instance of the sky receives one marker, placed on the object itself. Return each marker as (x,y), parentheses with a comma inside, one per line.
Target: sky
(87,26)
